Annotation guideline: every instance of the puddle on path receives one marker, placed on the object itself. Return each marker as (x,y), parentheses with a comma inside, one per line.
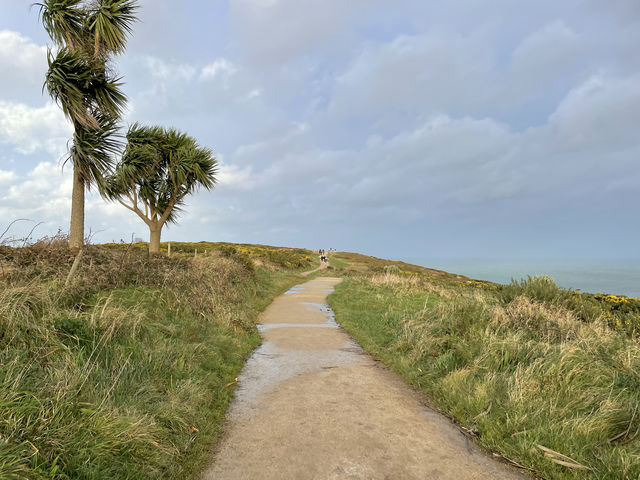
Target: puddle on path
(293,290)
(270,365)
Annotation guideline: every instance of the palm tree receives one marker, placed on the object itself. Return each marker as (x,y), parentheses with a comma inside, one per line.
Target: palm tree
(87,35)
(158,169)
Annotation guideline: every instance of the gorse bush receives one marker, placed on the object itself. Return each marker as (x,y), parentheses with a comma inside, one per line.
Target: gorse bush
(125,372)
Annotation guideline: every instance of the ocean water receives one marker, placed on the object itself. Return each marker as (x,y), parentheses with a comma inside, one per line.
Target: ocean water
(620,277)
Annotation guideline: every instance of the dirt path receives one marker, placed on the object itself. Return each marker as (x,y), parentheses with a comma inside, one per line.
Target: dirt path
(321,267)
(312,405)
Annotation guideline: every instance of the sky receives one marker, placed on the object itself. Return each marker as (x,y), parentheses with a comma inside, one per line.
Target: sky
(440,129)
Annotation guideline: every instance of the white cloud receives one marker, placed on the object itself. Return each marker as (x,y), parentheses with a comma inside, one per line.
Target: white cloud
(601,114)
(365,119)
(217,68)
(43,194)
(29,129)
(20,51)
(169,71)
(233,177)
(23,64)
(6,177)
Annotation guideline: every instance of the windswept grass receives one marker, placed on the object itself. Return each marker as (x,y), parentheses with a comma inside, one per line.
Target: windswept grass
(126,372)
(534,372)
(618,312)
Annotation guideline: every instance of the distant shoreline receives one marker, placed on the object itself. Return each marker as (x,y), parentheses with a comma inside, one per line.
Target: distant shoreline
(620,277)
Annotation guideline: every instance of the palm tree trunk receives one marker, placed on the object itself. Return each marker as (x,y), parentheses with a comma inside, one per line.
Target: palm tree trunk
(154,240)
(76,230)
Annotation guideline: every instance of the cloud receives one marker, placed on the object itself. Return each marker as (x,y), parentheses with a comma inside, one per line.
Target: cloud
(169,71)
(43,195)
(6,177)
(20,51)
(23,64)
(423,74)
(394,127)
(549,47)
(234,178)
(602,114)
(541,60)
(29,130)
(216,69)
(274,32)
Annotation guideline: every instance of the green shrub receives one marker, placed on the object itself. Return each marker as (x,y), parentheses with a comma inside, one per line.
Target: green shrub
(392,269)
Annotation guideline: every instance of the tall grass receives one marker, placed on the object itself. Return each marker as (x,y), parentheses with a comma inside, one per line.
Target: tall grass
(619,312)
(128,370)
(523,369)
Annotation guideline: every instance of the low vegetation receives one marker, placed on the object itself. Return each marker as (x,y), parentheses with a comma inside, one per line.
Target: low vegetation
(547,377)
(127,371)
(252,255)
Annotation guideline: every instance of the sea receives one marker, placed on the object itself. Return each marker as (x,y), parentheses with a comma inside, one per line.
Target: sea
(618,277)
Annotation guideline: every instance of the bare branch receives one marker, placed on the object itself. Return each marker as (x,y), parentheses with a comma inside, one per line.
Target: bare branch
(135,210)
(11,224)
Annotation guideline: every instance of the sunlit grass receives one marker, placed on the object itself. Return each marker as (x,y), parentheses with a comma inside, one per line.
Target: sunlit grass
(523,368)
(126,373)
(294,258)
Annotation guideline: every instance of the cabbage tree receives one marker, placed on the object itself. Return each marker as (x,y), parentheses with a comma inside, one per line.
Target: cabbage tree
(158,169)
(87,34)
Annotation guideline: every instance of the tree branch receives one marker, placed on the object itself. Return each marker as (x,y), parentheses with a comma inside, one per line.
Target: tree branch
(133,198)
(167,212)
(135,210)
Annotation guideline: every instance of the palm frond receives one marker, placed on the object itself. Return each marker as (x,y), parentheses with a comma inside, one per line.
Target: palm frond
(162,166)
(106,92)
(66,81)
(63,20)
(93,149)
(109,23)
(82,88)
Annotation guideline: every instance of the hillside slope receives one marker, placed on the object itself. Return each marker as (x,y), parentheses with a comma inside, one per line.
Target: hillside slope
(546,377)
(127,371)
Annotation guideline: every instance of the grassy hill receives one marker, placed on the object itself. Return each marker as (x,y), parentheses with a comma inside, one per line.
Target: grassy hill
(127,371)
(546,377)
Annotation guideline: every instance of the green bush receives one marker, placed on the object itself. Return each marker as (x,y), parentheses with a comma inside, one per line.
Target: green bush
(392,269)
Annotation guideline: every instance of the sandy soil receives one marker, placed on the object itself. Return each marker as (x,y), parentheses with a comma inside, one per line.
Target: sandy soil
(312,405)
